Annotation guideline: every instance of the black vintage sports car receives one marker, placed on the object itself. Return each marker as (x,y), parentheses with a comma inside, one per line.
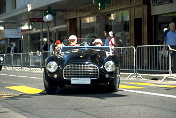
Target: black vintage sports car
(82,65)
(1,62)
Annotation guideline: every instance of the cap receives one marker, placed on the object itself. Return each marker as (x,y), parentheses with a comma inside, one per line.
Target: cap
(98,41)
(111,33)
(58,42)
(72,37)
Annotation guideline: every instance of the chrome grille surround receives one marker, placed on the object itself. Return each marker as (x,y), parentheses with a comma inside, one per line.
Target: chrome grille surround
(80,71)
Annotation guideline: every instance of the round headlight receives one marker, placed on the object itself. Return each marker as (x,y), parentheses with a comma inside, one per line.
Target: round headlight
(52,66)
(109,66)
(1,59)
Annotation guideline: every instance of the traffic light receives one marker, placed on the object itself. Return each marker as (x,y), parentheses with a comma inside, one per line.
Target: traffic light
(102,3)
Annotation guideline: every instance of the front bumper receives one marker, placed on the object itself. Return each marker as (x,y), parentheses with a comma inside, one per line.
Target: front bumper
(102,78)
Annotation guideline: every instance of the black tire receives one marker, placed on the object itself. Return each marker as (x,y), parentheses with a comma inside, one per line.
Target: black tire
(0,67)
(114,85)
(49,85)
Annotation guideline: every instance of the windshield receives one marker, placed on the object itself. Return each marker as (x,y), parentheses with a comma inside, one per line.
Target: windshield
(67,48)
(88,43)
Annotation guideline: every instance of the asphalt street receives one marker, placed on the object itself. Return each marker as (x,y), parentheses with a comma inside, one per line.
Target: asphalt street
(22,95)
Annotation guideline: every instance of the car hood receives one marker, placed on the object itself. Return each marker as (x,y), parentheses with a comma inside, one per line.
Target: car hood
(84,55)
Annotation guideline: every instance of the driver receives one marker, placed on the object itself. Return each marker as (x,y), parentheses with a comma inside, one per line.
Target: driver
(73,40)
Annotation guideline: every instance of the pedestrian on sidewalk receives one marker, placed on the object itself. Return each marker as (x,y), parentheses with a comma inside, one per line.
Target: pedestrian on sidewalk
(170,39)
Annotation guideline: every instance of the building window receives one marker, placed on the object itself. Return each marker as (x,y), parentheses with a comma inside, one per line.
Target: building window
(119,24)
(88,27)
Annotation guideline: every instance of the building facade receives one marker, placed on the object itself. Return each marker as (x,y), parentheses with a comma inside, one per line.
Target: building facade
(130,20)
(163,12)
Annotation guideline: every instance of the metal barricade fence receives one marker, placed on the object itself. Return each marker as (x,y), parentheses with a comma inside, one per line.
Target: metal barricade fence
(8,60)
(35,59)
(153,58)
(127,57)
(16,60)
(25,60)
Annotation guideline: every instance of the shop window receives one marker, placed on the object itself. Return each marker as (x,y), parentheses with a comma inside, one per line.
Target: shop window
(119,23)
(88,27)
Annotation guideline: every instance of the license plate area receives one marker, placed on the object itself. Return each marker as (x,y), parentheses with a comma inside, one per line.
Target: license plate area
(80,80)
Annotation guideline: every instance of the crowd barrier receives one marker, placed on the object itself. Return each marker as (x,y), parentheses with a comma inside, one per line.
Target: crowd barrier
(154,58)
(30,60)
(145,58)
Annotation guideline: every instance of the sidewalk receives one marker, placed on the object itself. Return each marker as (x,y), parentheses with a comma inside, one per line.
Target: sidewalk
(153,78)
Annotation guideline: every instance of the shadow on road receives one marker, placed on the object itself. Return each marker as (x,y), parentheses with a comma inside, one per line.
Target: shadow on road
(100,92)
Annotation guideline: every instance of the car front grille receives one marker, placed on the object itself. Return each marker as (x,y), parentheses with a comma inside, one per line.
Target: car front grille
(81,71)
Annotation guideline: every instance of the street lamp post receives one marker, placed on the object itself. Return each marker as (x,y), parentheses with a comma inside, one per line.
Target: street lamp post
(48,18)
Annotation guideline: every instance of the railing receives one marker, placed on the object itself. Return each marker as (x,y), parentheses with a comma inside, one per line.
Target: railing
(146,58)
(32,59)
(154,58)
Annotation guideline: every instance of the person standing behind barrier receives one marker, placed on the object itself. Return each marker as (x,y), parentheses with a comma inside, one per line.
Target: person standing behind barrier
(9,48)
(51,46)
(106,39)
(112,40)
(171,40)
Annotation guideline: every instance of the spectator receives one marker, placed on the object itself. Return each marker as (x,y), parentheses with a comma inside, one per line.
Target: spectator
(112,40)
(13,48)
(106,39)
(9,48)
(51,46)
(170,39)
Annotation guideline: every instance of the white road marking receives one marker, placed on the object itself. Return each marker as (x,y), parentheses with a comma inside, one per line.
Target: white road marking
(12,75)
(22,76)
(33,77)
(150,93)
(3,74)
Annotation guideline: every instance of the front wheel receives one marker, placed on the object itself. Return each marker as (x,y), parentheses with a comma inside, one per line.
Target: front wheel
(49,85)
(114,84)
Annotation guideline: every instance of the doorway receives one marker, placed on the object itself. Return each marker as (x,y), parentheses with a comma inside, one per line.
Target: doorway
(137,32)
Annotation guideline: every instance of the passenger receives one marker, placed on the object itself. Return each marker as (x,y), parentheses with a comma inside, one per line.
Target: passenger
(98,42)
(58,46)
(73,40)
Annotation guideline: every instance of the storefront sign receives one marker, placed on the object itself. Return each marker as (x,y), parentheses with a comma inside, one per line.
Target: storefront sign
(36,20)
(160,2)
(12,33)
